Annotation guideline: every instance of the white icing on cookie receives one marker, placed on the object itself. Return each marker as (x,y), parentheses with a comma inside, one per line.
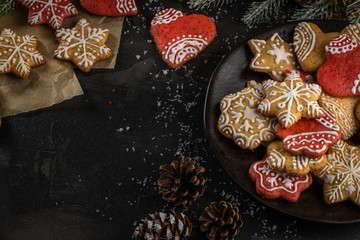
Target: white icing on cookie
(304,40)
(352,31)
(125,6)
(340,45)
(166,16)
(356,85)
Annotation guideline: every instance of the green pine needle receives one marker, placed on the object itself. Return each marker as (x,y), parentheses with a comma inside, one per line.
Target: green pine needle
(202,4)
(7,6)
(319,10)
(262,11)
(353,12)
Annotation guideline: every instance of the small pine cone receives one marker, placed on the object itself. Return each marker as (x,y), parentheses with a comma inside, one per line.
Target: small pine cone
(181,182)
(169,226)
(220,221)
(304,2)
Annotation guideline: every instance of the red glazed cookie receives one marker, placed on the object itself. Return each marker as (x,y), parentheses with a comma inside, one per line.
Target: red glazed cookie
(271,184)
(110,7)
(311,137)
(51,12)
(340,75)
(180,38)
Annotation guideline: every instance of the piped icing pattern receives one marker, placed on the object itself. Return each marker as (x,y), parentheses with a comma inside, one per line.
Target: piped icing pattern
(295,165)
(273,56)
(304,40)
(311,137)
(125,7)
(343,108)
(341,175)
(272,184)
(18,53)
(166,16)
(51,12)
(82,45)
(240,121)
(290,100)
(353,31)
(341,44)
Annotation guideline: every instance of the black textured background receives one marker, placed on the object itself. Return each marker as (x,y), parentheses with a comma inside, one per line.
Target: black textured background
(87,168)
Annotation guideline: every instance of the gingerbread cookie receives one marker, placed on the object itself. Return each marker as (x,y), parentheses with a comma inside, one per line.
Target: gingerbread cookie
(18,53)
(82,45)
(290,100)
(272,56)
(357,111)
(110,7)
(344,110)
(240,121)
(306,77)
(179,37)
(352,31)
(51,12)
(271,184)
(309,44)
(295,165)
(339,76)
(341,175)
(310,137)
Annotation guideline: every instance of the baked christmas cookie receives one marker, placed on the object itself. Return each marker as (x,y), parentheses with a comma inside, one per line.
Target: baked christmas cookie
(272,56)
(352,31)
(341,175)
(295,165)
(271,184)
(310,137)
(291,100)
(306,77)
(82,45)
(240,121)
(18,53)
(179,37)
(357,111)
(110,7)
(339,76)
(309,44)
(344,110)
(51,12)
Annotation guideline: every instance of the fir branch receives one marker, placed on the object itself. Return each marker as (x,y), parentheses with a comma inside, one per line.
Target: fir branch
(261,11)
(202,4)
(323,9)
(353,12)
(7,6)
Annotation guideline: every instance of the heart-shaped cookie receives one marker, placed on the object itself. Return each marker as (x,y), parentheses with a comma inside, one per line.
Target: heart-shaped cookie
(179,37)
(110,7)
(340,74)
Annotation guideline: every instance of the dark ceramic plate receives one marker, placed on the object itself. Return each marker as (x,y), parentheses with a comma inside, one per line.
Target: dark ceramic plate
(231,76)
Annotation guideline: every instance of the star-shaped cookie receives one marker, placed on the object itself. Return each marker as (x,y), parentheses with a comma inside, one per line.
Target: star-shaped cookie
(82,45)
(295,165)
(18,53)
(291,100)
(272,56)
(341,175)
(51,12)
(240,121)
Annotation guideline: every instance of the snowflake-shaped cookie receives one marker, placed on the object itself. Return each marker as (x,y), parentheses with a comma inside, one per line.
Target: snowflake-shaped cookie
(341,175)
(272,56)
(295,165)
(290,100)
(82,45)
(51,12)
(271,184)
(18,53)
(240,121)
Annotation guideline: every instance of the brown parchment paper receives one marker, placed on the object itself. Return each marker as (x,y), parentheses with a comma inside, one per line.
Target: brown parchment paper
(54,81)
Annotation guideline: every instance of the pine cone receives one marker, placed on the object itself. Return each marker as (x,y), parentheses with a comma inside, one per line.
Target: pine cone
(304,2)
(161,225)
(181,182)
(220,221)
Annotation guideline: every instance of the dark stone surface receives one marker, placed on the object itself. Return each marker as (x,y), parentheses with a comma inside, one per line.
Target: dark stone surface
(87,168)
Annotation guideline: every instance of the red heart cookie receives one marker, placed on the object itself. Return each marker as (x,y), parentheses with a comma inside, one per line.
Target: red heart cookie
(112,8)
(271,184)
(311,137)
(51,12)
(340,74)
(180,38)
